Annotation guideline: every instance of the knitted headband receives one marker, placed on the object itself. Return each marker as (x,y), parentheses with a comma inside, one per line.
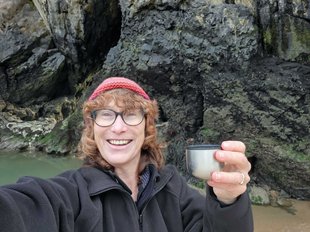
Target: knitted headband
(118,83)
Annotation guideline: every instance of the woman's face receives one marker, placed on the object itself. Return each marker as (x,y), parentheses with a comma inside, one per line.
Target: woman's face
(120,144)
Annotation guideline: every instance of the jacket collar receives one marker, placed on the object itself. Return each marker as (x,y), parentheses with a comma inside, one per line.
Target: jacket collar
(100,180)
(97,180)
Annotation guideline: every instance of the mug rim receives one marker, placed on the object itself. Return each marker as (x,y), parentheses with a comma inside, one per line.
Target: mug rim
(203,146)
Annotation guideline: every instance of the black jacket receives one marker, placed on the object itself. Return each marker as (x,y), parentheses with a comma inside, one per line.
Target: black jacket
(89,200)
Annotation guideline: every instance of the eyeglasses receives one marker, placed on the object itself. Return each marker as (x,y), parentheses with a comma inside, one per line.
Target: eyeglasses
(106,117)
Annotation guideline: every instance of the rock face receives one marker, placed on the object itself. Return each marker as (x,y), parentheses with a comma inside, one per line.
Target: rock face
(268,107)
(286,29)
(24,46)
(39,54)
(83,31)
(219,70)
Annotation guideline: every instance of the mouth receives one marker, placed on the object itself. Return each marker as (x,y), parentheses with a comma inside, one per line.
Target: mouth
(119,142)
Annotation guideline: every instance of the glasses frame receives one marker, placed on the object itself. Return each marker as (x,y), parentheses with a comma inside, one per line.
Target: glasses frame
(93,115)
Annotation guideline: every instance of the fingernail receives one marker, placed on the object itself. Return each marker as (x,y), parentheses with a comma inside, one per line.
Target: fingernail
(224,144)
(217,176)
(220,155)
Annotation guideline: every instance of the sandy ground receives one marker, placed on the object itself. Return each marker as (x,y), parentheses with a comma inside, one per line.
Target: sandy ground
(276,219)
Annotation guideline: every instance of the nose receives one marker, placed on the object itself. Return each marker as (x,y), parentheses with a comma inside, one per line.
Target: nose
(119,125)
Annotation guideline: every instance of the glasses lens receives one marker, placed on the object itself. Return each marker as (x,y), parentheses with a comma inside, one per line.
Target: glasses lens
(133,117)
(107,117)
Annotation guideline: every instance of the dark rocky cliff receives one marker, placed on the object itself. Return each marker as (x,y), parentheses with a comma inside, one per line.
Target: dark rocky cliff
(219,70)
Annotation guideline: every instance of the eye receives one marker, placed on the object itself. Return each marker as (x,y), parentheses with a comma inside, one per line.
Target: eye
(132,113)
(105,113)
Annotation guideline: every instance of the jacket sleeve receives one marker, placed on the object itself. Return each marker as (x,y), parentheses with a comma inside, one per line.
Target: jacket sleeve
(34,204)
(207,214)
(233,218)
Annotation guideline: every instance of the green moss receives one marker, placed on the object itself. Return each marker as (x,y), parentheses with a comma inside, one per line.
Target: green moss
(284,149)
(64,137)
(257,200)
(279,176)
(54,139)
(200,184)
(252,147)
(270,39)
(209,134)
(80,88)
(267,37)
(296,38)
(290,152)
(300,32)
(288,37)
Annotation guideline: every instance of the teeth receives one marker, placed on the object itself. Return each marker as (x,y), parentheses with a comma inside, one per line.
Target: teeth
(119,142)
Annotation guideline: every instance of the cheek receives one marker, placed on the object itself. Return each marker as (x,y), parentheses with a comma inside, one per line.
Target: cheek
(95,133)
(98,133)
(141,136)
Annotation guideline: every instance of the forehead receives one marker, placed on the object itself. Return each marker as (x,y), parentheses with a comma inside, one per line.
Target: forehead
(119,105)
(121,100)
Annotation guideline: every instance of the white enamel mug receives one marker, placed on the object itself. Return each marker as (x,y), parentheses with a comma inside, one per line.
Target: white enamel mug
(200,160)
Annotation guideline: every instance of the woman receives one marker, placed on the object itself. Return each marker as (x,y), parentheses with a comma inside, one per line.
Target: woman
(124,185)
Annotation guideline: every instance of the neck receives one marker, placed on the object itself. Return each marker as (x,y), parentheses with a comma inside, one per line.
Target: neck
(131,179)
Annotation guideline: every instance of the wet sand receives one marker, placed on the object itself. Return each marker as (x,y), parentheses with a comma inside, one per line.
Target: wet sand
(275,219)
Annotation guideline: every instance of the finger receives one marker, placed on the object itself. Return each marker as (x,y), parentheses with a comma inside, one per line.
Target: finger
(237,146)
(236,178)
(233,158)
(237,189)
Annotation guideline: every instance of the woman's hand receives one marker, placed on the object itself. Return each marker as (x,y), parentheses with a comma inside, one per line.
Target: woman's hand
(232,180)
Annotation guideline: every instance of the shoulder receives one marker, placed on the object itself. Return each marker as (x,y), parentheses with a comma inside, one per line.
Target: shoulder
(175,182)
(69,178)
(168,169)
(61,181)
(175,187)
(170,174)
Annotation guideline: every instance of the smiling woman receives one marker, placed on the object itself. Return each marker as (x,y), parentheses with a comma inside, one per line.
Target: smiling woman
(123,184)
(13,165)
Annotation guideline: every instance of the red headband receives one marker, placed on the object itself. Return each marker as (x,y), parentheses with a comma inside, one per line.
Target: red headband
(118,83)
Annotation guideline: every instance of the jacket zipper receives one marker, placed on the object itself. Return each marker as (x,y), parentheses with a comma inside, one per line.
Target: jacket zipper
(141,222)
(146,203)
(140,216)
